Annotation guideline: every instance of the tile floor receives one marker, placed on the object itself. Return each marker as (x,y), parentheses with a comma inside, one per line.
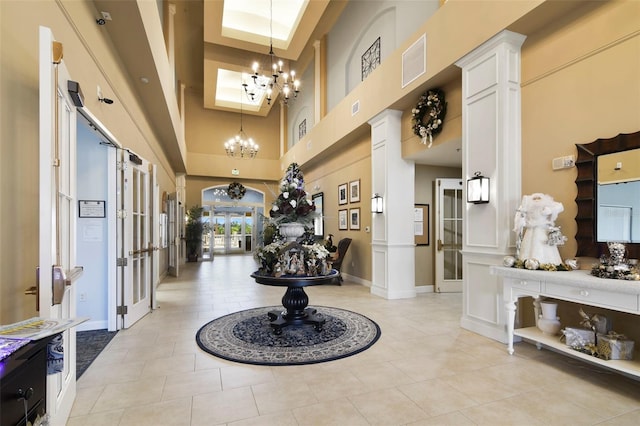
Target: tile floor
(424,370)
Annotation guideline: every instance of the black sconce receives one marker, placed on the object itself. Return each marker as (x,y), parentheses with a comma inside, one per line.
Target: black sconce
(376,203)
(478,189)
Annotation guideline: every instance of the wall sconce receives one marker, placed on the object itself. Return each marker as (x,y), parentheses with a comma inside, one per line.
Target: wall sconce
(376,203)
(478,189)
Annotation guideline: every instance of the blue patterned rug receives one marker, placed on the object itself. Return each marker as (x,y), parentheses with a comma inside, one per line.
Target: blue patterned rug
(247,337)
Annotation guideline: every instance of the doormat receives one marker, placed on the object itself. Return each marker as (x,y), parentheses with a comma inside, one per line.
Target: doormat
(89,344)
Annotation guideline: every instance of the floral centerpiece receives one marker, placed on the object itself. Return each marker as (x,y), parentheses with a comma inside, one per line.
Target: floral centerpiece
(283,252)
(615,266)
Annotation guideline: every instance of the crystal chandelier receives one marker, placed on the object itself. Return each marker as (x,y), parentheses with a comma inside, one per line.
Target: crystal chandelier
(280,80)
(241,145)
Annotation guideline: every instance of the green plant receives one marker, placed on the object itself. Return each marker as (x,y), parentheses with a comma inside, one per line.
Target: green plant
(193,231)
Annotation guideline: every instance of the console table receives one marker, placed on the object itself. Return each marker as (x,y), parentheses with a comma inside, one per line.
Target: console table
(295,300)
(573,286)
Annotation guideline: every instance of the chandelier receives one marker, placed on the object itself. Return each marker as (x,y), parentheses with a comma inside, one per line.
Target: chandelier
(241,145)
(280,80)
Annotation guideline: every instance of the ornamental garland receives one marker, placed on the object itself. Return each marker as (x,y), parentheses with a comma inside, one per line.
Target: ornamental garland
(236,190)
(428,115)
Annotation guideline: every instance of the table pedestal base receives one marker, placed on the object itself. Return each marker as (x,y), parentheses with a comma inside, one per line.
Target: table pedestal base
(295,302)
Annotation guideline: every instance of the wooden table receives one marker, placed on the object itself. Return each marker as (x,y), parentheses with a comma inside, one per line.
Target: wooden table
(295,300)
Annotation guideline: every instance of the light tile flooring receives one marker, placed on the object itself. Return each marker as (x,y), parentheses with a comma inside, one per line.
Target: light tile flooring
(424,370)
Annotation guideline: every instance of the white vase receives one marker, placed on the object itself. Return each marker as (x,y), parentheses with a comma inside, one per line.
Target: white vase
(548,322)
(549,309)
(291,231)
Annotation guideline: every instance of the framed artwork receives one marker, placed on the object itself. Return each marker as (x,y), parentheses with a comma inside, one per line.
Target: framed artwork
(342,194)
(342,219)
(354,218)
(354,191)
(318,221)
(370,59)
(421,224)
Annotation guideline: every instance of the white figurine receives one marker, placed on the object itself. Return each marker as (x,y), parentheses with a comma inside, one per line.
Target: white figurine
(534,225)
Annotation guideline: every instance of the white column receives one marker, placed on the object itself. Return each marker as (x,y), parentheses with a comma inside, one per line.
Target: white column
(393,246)
(491,144)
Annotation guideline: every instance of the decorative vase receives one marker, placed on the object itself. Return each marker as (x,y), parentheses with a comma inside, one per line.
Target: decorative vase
(291,231)
(548,322)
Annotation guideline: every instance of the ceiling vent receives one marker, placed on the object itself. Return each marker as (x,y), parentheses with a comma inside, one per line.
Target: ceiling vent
(414,60)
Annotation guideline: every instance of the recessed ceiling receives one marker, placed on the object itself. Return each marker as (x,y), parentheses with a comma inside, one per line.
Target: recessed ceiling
(238,33)
(260,21)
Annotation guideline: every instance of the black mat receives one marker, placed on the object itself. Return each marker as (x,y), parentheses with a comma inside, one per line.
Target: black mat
(248,338)
(89,344)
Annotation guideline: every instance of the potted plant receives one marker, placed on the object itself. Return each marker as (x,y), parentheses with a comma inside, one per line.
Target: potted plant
(193,232)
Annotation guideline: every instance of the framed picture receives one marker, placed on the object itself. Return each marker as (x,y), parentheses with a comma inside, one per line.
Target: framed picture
(318,221)
(91,208)
(354,191)
(354,218)
(421,224)
(342,194)
(342,219)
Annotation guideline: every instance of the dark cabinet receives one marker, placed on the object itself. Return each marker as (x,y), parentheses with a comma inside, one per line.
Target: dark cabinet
(23,384)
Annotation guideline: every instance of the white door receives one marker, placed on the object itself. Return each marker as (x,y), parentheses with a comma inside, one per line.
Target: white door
(58,212)
(134,239)
(449,235)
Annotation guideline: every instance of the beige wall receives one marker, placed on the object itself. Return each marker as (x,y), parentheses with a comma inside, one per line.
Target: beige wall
(351,163)
(207,131)
(91,61)
(579,83)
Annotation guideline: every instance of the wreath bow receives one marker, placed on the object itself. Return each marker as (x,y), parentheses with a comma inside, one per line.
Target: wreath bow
(428,115)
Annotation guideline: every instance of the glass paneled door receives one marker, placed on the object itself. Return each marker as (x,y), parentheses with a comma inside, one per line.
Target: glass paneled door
(232,232)
(449,235)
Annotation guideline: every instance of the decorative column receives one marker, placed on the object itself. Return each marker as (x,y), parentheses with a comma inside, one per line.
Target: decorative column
(491,145)
(320,80)
(392,177)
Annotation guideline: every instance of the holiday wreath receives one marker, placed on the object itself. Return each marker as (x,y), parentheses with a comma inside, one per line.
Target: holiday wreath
(428,115)
(236,190)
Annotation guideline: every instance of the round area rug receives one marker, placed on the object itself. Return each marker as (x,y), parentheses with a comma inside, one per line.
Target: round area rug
(247,337)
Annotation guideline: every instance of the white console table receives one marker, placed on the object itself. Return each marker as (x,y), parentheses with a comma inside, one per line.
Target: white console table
(573,286)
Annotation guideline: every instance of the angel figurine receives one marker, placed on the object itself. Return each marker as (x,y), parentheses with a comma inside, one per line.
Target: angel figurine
(538,237)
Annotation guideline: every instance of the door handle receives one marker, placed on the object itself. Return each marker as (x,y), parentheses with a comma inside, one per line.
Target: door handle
(439,244)
(31,291)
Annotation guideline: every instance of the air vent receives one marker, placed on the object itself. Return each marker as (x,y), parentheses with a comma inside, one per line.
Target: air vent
(414,61)
(355,108)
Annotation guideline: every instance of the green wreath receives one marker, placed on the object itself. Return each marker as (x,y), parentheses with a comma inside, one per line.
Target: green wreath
(428,115)
(236,190)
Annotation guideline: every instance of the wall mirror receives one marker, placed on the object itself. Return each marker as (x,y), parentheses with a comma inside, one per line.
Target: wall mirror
(601,196)
(318,221)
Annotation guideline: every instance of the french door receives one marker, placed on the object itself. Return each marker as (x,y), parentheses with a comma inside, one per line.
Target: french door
(58,212)
(232,232)
(449,226)
(135,245)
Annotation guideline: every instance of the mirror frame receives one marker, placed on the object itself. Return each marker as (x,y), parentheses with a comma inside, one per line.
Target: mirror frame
(586,199)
